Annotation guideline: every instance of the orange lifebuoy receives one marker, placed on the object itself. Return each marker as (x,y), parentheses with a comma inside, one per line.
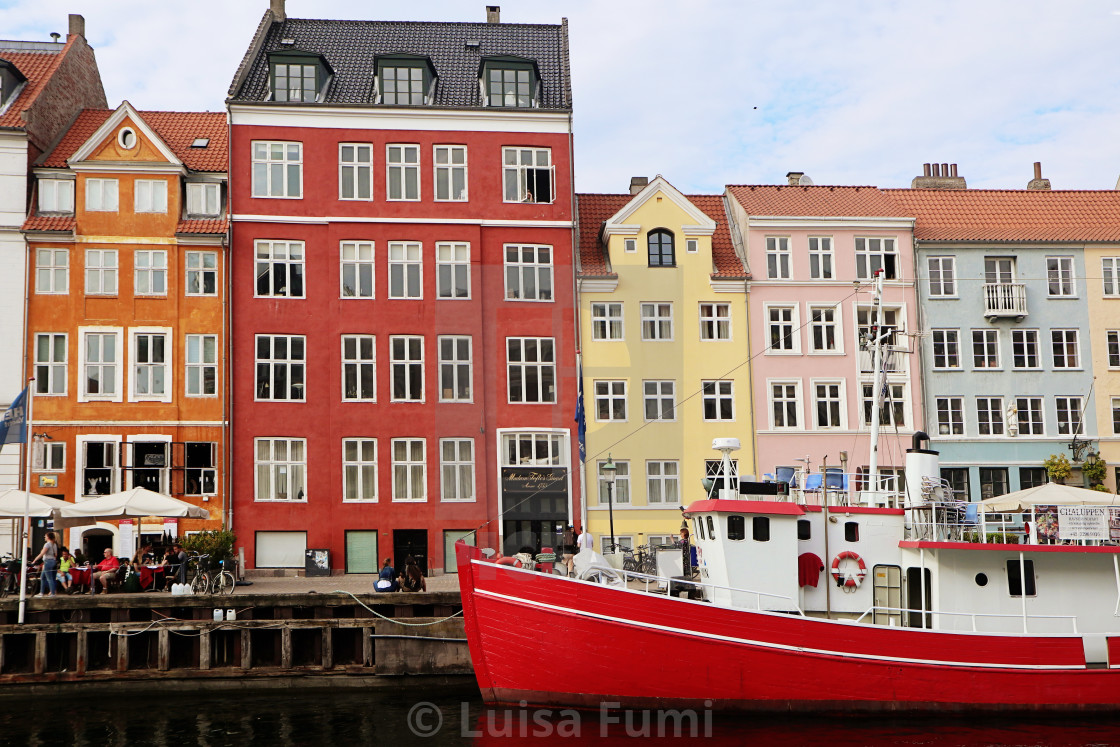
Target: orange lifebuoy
(508,560)
(851,581)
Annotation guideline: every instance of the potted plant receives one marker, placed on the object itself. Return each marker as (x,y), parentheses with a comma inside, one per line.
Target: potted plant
(1058,468)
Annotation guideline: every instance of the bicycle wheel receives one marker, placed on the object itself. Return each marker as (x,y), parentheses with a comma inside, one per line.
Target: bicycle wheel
(200,584)
(629,564)
(224,583)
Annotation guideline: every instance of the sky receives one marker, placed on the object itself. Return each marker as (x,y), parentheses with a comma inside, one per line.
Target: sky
(715,92)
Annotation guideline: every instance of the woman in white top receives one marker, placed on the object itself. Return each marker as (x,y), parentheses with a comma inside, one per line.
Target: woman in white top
(49,577)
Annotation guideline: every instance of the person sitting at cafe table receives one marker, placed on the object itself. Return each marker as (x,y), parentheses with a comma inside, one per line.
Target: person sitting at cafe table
(65,563)
(175,565)
(105,571)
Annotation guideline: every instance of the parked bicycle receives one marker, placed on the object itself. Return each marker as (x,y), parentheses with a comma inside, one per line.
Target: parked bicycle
(641,560)
(208,579)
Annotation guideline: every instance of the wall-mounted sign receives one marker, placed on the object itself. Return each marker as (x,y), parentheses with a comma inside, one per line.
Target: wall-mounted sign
(48,481)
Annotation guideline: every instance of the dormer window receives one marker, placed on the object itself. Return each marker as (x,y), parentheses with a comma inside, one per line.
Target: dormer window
(298,77)
(204,200)
(10,81)
(661,253)
(509,83)
(56,196)
(404,81)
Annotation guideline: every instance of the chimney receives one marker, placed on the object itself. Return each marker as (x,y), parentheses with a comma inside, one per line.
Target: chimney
(77,25)
(638,183)
(493,14)
(1038,182)
(794,177)
(277,7)
(939,176)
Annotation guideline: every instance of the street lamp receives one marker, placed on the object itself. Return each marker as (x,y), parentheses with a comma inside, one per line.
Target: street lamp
(608,471)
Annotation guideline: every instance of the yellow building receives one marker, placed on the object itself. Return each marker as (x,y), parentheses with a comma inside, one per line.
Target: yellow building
(1103,261)
(665,354)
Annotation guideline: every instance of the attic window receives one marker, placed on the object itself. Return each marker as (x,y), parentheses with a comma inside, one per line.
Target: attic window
(296,78)
(509,83)
(404,81)
(473,43)
(127,138)
(200,142)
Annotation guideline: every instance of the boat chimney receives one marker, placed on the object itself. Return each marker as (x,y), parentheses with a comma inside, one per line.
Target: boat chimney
(923,470)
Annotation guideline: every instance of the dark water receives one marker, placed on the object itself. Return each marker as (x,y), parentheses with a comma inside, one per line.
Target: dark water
(415,715)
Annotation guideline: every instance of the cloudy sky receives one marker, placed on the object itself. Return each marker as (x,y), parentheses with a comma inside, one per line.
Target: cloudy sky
(711,92)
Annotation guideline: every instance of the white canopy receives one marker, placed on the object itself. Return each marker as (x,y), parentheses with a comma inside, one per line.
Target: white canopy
(12,504)
(135,502)
(1050,494)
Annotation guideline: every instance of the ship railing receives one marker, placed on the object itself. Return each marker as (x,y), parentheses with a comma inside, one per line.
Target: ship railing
(943,521)
(789,604)
(1020,620)
(833,487)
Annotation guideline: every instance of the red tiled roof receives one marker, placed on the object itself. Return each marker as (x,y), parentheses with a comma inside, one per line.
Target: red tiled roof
(37,67)
(789,201)
(49,223)
(595,209)
(1011,215)
(203,225)
(177,129)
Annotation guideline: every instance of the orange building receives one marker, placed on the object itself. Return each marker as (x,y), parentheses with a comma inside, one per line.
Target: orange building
(126,326)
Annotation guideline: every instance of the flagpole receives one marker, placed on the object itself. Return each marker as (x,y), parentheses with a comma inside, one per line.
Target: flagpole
(26,536)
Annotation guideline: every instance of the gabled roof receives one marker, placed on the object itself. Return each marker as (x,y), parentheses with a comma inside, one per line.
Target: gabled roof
(65,223)
(597,209)
(352,47)
(203,226)
(178,131)
(37,66)
(1011,215)
(818,202)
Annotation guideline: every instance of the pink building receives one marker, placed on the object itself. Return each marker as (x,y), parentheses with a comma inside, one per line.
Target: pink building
(812,253)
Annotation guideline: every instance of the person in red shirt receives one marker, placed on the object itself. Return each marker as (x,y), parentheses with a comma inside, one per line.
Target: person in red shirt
(105,571)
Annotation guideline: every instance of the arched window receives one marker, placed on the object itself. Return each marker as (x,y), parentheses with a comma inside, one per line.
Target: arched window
(661,249)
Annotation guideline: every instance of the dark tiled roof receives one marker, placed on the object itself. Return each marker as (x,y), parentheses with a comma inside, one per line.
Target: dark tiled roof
(37,67)
(790,201)
(177,129)
(1011,215)
(596,209)
(203,225)
(49,223)
(352,47)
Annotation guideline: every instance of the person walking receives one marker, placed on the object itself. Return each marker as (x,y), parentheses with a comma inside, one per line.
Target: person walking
(48,579)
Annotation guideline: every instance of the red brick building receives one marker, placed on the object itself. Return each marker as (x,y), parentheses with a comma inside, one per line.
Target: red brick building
(401,286)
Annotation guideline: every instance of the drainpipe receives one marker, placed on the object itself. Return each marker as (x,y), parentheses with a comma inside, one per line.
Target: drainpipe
(576,307)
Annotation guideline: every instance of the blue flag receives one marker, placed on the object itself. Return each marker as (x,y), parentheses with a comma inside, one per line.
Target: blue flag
(581,419)
(13,427)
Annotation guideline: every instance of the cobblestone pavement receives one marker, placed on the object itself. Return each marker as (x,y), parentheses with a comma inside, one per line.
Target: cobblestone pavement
(352,582)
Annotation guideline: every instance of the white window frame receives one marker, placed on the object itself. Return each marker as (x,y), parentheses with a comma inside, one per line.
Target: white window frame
(117,333)
(52,271)
(543,364)
(359,474)
(949,415)
(200,196)
(453,259)
(989,416)
(449,167)
(515,174)
(715,321)
(1061,282)
(50,370)
(951,349)
(356,363)
(872,253)
(784,398)
(405,364)
(1034,418)
(81,450)
(717,392)
(293,468)
(835,326)
(621,491)
(454,468)
(1026,342)
(359,170)
(406,262)
(353,258)
(102,270)
(168,364)
(663,391)
(49,456)
(1115,404)
(821,259)
(149,265)
(149,196)
(292,257)
(56,196)
(989,339)
(195,347)
(792,339)
(1110,276)
(518,270)
(610,395)
(102,195)
(657,480)
(1112,348)
(840,401)
(779,259)
(410,464)
(630,246)
(692,246)
(289,364)
(944,268)
(269,165)
(401,161)
(605,316)
(903,399)
(1071,338)
(1072,424)
(455,368)
(653,320)
(199,265)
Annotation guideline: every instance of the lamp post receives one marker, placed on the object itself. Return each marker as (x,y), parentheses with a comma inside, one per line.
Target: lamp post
(608,471)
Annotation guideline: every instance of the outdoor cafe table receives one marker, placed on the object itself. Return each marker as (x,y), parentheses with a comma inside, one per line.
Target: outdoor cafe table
(151,577)
(80,576)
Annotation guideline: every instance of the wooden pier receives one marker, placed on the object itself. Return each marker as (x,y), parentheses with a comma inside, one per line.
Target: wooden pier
(128,637)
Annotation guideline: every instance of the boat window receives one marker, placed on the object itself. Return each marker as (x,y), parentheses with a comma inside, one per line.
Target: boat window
(981,579)
(851,531)
(711,528)
(804,529)
(736,528)
(700,527)
(762,529)
(1015,581)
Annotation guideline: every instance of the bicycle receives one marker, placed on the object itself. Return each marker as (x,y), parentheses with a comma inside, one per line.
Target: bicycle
(207,581)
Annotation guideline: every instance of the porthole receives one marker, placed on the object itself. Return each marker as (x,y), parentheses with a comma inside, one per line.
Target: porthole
(981,579)
(127,138)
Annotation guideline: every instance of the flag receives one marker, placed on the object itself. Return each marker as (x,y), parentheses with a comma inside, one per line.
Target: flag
(581,419)
(13,427)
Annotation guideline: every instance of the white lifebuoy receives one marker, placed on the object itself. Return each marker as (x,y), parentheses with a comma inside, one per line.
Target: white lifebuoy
(849,581)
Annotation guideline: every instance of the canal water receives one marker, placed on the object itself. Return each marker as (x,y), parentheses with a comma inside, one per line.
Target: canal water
(414,715)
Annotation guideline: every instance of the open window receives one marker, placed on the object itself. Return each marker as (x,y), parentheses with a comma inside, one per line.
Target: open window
(148,464)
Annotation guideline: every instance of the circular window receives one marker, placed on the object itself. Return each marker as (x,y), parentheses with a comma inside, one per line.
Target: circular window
(127,138)
(981,579)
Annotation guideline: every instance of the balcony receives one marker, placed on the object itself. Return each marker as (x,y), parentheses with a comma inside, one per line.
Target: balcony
(1002,300)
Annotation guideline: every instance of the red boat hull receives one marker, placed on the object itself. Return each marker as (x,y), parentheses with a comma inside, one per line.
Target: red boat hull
(548,640)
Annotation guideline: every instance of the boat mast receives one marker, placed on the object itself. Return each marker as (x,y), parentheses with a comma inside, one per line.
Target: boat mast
(875,340)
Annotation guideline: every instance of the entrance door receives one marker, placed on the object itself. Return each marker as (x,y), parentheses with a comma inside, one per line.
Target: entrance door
(361,551)
(887,595)
(412,542)
(914,607)
(999,270)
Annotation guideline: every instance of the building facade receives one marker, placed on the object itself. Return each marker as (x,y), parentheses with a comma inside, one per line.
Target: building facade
(402,301)
(126,315)
(664,340)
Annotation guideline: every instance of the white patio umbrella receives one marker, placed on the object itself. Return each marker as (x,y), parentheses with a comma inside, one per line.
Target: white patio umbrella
(136,502)
(12,504)
(1050,494)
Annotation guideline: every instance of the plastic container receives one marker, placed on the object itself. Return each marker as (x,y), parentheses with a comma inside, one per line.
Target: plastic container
(231,615)
(217,615)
